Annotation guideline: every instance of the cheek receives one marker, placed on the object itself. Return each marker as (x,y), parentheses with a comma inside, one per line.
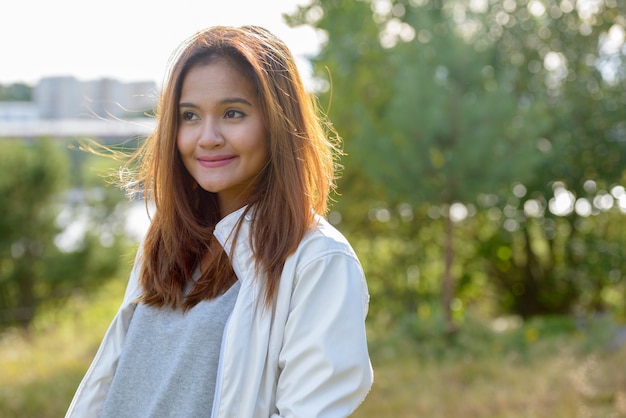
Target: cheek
(183,144)
(263,141)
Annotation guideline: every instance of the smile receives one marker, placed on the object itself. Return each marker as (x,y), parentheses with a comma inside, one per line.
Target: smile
(217,161)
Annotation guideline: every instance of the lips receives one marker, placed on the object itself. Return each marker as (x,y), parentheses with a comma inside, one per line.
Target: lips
(216,161)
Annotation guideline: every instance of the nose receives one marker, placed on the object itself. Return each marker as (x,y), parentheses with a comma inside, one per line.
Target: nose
(210,134)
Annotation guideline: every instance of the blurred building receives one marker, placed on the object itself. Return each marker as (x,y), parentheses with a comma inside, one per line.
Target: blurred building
(64,107)
(58,97)
(69,98)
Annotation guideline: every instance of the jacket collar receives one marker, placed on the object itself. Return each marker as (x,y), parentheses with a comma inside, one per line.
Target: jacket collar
(242,257)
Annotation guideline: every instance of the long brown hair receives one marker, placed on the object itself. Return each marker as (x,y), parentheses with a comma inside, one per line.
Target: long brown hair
(293,186)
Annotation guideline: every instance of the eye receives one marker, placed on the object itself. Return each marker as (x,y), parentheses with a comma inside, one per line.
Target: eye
(188,115)
(233,114)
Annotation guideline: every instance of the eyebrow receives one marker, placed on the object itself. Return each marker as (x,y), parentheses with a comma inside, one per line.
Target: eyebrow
(225,101)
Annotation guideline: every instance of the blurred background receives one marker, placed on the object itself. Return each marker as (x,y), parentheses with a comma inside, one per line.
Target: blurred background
(482,188)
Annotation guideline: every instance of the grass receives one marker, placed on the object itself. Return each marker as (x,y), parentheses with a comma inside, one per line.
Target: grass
(561,385)
(41,369)
(547,368)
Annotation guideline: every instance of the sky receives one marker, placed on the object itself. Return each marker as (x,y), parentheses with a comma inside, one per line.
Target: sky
(129,40)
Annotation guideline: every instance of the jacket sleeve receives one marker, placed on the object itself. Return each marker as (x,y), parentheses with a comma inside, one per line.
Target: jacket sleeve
(324,361)
(92,391)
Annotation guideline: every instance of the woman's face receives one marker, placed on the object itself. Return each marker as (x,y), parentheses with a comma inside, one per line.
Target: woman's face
(221,137)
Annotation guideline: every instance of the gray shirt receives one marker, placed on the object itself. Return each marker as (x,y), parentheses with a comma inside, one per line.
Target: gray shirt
(169,362)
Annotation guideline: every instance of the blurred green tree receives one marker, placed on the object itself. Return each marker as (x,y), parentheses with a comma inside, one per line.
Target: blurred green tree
(561,249)
(16,92)
(29,181)
(445,127)
(450,104)
(33,268)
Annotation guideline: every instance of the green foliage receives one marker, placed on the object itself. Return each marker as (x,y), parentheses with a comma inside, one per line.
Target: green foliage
(39,260)
(29,182)
(442,102)
(430,117)
(555,265)
(564,262)
(18,92)
(507,338)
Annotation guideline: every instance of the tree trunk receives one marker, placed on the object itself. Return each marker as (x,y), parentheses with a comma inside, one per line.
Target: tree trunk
(448,287)
(25,310)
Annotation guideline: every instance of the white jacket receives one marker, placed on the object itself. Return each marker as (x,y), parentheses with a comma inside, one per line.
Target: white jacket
(306,356)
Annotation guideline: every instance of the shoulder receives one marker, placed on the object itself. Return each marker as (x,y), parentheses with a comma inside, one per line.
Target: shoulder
(322,249)
(324,239)
(326,268)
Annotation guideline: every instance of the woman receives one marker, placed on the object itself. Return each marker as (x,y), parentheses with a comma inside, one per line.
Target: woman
(243,301)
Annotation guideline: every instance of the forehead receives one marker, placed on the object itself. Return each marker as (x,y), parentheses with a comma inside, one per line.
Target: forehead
(217,77)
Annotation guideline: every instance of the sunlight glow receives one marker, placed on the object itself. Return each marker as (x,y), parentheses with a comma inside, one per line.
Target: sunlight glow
(562,204)
(533,208)
(621,202)
(553,61)
(583,207)
(458,212)
(479,6)
(618,191)
(536,8)
(588,8)
(519,190)
(603,201)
